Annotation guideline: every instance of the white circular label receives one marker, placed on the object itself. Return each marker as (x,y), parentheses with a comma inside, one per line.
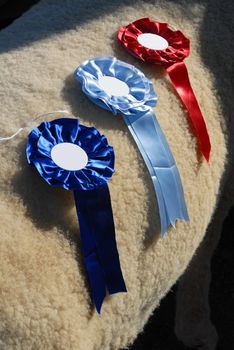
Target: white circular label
(152,41)
(69,156)
(113,86)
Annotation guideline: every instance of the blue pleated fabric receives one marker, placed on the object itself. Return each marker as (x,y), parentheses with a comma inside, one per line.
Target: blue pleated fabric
(136,109)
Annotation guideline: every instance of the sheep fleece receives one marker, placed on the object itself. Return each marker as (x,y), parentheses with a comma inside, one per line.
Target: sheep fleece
(45,300)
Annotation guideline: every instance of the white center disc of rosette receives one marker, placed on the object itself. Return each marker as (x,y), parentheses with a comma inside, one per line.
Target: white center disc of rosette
(113,86)
(152,41)
(69,156)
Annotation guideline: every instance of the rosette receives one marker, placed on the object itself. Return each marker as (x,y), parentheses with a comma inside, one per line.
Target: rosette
(156,43)
(75,157)
(122,88)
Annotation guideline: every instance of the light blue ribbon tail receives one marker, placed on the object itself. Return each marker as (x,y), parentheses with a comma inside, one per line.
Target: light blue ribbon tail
(161,165)
(164,219)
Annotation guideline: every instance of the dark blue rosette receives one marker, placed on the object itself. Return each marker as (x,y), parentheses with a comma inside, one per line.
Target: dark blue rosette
(87,177)
(99,168)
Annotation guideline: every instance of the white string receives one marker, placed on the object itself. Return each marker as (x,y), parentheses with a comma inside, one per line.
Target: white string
(39,116)
(12,136)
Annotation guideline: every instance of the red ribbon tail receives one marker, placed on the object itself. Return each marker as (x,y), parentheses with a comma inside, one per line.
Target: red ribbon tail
(179,76)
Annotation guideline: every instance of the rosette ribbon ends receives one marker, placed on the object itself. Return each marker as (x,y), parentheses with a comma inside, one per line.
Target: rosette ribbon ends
(77,158)
(121,88)
(157,43)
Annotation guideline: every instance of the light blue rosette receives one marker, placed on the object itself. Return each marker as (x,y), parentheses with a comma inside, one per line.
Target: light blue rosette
(123,89)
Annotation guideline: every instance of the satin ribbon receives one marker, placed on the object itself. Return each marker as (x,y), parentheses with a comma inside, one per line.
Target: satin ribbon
(143,125)
(160,162)
(179,77)
(91,195)
(171,59)
(99,248)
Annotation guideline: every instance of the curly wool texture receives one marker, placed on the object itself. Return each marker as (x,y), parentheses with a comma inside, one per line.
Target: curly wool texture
(45,301)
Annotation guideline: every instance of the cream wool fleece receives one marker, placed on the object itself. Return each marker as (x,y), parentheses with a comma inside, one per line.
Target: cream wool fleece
(44,295)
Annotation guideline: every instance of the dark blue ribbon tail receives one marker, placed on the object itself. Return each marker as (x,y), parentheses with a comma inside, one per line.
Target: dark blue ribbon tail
(99,248)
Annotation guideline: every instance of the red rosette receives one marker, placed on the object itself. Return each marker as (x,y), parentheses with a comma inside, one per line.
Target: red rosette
(178,44)
(171,58)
